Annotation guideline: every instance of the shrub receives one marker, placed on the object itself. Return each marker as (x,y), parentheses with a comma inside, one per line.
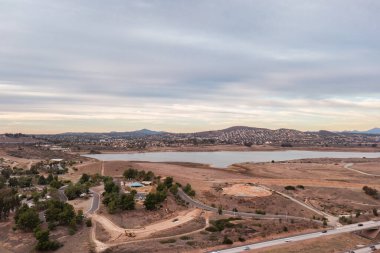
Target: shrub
(370,191)
(262,212)
(227,240)
(212,229)
(168,241)
(89,222)
(185,238)
(191,243)
(290,188)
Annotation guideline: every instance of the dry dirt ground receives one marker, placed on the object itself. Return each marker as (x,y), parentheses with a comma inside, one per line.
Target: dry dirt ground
(141,217)
(329,186)
(14,241)
(21,242)
(81,204)
(372,168)
(331,244)
(245,190)
(204,241)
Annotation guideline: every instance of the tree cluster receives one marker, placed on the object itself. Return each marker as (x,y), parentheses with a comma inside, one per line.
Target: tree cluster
(43,241)
(153,200)
(27,218)
(188,190)
(370,191)
(9,201)
(59,213)
(74,191)
(114,200)
(138,175)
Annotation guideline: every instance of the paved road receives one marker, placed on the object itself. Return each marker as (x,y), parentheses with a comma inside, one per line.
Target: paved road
(200,205)
(95,202)
(366,249)
(61,192)
(349,167)
(282,241)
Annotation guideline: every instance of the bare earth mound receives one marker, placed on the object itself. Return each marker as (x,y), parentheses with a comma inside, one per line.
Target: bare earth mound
(246,190)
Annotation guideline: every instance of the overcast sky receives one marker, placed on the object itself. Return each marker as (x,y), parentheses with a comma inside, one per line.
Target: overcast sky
(95,65)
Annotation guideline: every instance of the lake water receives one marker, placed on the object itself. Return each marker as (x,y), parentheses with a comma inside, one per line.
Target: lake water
(223,159)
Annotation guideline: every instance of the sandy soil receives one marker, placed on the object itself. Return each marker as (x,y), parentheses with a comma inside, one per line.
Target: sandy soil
(14,241)
(79,242)
(246,190)
(81,204)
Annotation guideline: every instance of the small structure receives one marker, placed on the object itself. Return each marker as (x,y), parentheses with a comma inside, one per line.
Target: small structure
(146,183)
(56,160)
(136,184)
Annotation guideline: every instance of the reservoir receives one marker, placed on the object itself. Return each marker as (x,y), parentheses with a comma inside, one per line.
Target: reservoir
(222,159)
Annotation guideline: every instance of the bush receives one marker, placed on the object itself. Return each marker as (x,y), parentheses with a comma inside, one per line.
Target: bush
(301,187)
(290,188)
(241,239)
(370,191)
(89,222)
(227,240)
(185,238)
(262,212)
(168,241)
(191,243)
(27,218)
(212,229)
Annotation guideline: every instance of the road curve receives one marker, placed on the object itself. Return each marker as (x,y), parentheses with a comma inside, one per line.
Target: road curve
(348,166)
(62,195)
(203,206)
(298,238)
(95,202)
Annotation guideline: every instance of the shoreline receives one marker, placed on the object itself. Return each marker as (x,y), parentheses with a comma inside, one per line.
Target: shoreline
(235,148)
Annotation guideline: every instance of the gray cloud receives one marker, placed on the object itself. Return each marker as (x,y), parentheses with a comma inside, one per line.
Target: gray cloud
(191,59)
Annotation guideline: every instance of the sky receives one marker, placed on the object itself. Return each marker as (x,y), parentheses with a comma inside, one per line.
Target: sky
(184,66)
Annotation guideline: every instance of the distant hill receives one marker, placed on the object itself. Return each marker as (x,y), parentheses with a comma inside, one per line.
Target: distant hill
(114,134)
(375,130)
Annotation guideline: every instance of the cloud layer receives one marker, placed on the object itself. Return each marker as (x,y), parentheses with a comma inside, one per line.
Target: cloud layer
(188,65)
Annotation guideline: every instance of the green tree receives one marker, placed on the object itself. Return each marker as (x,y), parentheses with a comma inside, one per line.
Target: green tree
(80,217)
(174,189)
(50,178)
(168,182)
(127,202)
(220,210)
(84,178)
(13,182)
(130,173)
(27,218)
(9,201)
(44,242)
(150,201)
(42,180)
